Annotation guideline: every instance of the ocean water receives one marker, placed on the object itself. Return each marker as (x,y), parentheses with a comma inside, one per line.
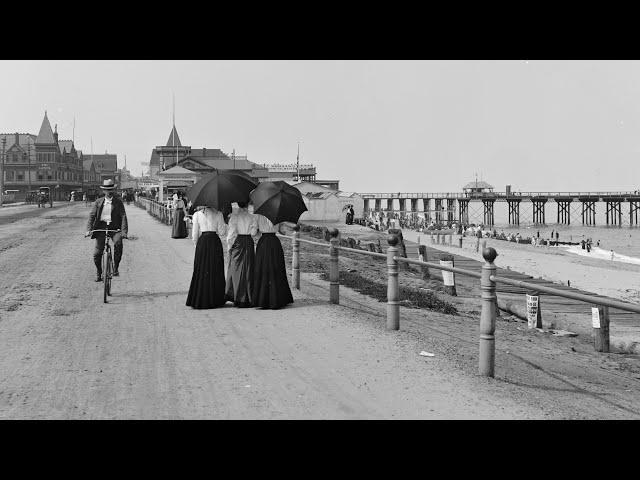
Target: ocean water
(623,240)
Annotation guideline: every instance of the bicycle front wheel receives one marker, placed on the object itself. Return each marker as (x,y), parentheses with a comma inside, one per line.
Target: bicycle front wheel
(110,261)
(106,273)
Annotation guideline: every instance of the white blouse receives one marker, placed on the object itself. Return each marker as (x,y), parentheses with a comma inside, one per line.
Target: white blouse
(241,223)
(265,225)
(207,220)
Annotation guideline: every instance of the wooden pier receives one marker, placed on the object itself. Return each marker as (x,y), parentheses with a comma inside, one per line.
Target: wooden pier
(454,206)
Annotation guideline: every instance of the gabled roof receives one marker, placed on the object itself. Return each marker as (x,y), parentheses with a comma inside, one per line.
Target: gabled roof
(86,164)
(177,170)
(65,145)
(318,195)
(476,184)
(105,162)
(174,139)
(346,194)
(46,133)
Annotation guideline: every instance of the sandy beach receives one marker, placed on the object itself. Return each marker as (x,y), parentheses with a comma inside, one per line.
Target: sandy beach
(597,273)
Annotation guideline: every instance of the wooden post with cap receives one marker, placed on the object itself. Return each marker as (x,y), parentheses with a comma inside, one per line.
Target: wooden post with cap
(334,272)
(488,315)
(393,288)
(295,262)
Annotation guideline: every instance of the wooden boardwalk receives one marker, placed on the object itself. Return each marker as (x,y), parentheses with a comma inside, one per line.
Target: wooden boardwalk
(550,303)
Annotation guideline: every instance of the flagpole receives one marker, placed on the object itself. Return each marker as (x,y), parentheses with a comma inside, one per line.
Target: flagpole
(298,164)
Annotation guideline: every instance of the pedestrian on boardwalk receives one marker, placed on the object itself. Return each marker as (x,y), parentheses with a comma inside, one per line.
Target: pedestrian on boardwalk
(242,227)
(179,226)
(207,282)
(270,283)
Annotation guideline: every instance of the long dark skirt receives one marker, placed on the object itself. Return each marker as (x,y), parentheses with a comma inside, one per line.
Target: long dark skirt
(240,274)
(270,283)
(207,283)
(179,229)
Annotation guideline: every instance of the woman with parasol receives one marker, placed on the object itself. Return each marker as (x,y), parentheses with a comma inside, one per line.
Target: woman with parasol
(242,227)
(207,282)
(275,203)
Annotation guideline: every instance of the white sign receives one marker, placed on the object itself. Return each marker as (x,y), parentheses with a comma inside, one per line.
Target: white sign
(447,277)
(532,310)
(595,317)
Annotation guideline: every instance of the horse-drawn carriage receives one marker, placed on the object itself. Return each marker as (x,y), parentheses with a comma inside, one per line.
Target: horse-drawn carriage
(44,197)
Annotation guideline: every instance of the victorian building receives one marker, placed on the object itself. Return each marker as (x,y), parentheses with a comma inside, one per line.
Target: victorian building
(43,160)
(176,166)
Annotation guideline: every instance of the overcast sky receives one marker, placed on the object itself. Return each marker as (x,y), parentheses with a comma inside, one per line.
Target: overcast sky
(378,126)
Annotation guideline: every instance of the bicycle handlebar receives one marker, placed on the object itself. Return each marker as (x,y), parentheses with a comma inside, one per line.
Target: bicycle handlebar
(106,231)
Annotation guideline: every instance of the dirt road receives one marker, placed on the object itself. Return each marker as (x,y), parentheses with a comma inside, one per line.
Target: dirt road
(65,354)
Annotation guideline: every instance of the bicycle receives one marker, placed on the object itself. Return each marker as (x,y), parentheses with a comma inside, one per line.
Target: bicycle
(107,261)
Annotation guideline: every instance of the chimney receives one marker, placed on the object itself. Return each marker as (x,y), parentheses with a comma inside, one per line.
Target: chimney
(55,133)
(17,140)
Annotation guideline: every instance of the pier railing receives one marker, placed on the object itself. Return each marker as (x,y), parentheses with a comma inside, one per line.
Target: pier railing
(515,195)
(488,281)
(156,209)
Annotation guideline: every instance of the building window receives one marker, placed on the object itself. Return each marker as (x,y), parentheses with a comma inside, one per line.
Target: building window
(49,177)
(40,176)
(10,175)
(19,176)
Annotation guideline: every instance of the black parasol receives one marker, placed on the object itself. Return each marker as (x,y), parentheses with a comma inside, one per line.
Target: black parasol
(278,201)
(221,188)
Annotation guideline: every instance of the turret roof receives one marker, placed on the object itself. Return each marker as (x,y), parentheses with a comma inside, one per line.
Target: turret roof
(46,133)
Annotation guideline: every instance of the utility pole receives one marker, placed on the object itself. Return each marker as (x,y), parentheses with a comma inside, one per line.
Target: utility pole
(29,165)
(4,143)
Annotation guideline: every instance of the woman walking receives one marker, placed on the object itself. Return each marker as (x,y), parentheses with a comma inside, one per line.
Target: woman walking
(270,284)
(207,282)
(179,229)
(242,227)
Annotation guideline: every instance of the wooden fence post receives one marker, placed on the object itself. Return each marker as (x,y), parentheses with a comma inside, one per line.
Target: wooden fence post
(422,255)
(488,315)
(393,288)
(295,262)
(600,320)
(334,272)
(448,278)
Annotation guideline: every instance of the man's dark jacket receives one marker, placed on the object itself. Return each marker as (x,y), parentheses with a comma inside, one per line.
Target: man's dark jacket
(118,215)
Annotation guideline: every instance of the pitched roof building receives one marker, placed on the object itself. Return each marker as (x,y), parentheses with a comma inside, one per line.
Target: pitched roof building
(33,161)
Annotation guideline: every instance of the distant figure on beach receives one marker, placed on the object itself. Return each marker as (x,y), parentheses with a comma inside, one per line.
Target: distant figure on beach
(538,235)
(552,234)
(583,243)
(557,236)
(568,283)
(612,255)
(598,243)
(588,245)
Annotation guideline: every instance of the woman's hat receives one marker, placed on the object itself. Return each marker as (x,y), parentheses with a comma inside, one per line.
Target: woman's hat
(108,184)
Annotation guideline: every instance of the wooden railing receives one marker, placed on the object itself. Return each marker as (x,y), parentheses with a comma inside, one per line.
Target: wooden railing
(156,209)
(488,280)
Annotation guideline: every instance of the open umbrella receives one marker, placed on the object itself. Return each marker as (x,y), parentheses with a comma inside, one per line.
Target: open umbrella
(221,188)
(278,201)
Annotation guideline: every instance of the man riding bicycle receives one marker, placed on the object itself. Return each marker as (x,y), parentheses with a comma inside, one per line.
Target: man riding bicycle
(107,213)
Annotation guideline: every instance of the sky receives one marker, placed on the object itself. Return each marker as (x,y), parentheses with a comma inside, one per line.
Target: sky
(377,126)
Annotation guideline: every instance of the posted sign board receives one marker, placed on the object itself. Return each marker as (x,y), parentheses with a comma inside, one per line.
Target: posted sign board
(532,310)
(595,317)
(447,277)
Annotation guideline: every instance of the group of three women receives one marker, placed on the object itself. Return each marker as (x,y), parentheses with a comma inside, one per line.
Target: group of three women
(254,278)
